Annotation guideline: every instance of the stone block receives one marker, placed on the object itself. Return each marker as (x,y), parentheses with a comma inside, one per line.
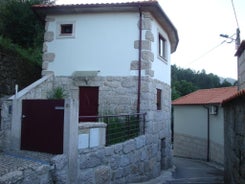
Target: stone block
(140,142)
(48,56)
(45,65)
(102,175)
(149,36)
(90,161)
(48,36)
(147,56)
(86,176)
(144,65)
(145,44)
(129,146)
(146,24)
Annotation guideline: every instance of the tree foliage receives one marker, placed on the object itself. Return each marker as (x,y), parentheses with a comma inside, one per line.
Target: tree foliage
(20,26)
(185,81)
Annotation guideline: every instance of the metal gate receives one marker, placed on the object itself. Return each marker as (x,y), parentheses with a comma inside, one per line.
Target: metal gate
(42,126)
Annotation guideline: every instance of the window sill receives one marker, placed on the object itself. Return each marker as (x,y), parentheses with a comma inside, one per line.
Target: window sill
(163,59)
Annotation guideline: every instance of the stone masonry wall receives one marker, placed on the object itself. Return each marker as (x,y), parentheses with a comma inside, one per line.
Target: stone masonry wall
(241,67)
(234,169)
(119,95)
(136,160)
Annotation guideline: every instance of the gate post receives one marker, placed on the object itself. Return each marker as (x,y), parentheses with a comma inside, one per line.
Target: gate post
(16,124)
(71,137)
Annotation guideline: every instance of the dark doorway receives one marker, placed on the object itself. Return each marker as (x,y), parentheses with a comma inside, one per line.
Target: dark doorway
(42,126)
(88,103)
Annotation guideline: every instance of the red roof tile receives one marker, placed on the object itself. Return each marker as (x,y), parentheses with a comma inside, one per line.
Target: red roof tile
(207,96)
(93,4)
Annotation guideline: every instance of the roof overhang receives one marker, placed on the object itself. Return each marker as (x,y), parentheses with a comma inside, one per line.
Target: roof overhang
(148,6)
(241,49)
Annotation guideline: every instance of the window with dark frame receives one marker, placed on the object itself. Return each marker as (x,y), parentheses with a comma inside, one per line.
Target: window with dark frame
(66,29)
(162,47)
(159,99)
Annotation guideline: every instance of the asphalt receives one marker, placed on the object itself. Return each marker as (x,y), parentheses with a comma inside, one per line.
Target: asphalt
(190,171)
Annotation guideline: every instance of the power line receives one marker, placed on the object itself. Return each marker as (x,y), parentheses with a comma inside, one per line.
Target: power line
(206,53)
(234,11)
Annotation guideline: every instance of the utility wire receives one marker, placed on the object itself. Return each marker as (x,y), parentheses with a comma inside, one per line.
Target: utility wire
(206,53)
(234,10)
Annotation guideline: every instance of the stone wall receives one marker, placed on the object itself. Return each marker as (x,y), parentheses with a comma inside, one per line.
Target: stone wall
(234,167)
(14,70)
(241,65)
(138,159)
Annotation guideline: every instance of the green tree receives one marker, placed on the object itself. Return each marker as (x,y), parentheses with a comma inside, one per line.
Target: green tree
(21,29)
(20,24)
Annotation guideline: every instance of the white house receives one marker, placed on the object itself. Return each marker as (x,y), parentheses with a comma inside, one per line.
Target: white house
(118,54)
(199,124)
(111,59)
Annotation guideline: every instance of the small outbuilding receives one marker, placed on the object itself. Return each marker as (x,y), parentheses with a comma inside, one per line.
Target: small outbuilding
(198,120)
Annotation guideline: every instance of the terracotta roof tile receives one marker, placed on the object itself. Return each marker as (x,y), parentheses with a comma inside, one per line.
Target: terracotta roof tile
(207,96)
(92,4)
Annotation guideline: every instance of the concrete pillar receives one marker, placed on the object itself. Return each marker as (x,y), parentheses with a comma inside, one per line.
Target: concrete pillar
(16,124)
(71,137)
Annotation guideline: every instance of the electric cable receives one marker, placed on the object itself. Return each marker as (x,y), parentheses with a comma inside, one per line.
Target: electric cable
(235,14)
(206,53)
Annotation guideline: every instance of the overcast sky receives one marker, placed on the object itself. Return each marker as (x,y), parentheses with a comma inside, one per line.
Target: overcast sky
(199,24)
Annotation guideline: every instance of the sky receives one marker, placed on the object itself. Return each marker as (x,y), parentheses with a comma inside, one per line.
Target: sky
(199,24)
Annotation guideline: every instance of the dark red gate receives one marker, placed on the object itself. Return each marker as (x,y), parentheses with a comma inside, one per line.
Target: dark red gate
(42,126)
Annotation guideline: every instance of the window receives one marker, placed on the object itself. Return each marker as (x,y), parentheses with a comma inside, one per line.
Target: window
(66,29)
(159,99)
(162,47)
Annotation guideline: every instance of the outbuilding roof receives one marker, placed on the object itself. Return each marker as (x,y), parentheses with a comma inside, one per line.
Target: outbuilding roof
(151,6)
(207,96)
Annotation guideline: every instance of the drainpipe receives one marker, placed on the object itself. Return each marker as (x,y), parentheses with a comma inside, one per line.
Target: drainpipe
(208,133)
(139,63)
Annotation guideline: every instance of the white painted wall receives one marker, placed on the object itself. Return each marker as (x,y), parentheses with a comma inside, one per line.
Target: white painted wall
(105,43)
(217,127)
(161,68)
(190,120)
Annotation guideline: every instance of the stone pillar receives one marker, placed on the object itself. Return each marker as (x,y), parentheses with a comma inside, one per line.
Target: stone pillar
(71,137)
(16,124)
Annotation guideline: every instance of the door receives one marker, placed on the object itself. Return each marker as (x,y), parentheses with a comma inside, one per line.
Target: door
(88,103)
(42,126)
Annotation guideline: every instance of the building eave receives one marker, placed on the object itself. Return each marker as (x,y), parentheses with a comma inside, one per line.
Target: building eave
(148,6)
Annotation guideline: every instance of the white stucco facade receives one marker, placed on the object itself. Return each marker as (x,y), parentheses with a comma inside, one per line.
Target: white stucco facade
(104,43)
(191,137)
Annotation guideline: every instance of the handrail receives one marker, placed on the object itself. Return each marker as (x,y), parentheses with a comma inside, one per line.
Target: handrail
(111,116)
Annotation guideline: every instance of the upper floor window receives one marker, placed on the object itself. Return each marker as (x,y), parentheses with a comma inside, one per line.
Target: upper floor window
(162,47)
(66,29)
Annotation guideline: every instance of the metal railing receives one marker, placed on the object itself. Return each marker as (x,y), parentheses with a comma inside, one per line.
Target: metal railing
(119,127)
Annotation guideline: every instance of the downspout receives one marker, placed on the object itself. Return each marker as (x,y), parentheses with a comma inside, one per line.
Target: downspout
(208,134)
(139,63)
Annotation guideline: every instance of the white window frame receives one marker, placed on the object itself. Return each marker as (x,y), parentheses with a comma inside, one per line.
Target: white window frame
(162,47)
(64,35)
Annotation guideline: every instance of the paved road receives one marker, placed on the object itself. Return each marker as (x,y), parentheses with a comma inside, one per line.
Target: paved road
(196,171)
(189,171)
